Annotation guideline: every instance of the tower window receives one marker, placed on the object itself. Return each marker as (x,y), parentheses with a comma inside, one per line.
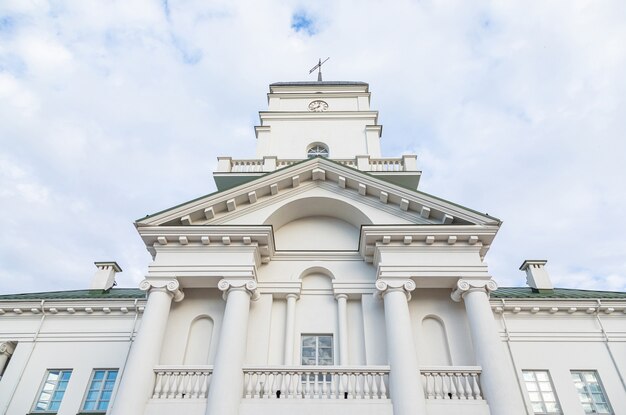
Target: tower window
(317,150)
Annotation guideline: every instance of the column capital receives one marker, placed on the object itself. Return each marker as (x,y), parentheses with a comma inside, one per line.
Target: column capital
(247,285)
(293,295)
(7,348)
(465,286)
(384,286)
(341,295)
(171,286)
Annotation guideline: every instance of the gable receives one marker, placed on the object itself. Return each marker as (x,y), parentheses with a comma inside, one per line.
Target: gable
(317,187)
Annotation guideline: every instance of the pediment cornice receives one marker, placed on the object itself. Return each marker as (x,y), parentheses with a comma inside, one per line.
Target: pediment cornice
(215,208)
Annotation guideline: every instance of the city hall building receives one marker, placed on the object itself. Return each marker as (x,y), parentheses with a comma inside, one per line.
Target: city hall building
(316,279)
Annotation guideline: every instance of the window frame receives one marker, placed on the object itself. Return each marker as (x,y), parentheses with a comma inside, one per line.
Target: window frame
(106,371)
(589,393)
(40,391)
(317,145)
(317,348)
(537,383)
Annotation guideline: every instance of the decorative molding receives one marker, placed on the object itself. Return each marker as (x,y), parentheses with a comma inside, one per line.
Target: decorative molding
(170,286)
(247,285)
(389,285)
(7,348)
(464,286)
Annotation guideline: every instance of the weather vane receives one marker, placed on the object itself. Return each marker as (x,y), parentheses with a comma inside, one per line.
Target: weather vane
(319,69)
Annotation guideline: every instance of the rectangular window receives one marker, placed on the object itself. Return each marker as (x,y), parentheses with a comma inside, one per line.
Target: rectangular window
(590,392)
(541,392)
(317,350)
(100,388)
(52,390)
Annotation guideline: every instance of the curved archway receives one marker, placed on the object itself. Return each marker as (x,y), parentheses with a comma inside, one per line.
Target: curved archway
(317,223)
(199,341)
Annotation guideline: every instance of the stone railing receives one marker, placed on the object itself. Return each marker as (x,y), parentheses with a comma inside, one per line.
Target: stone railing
(388,164)
(182,382)
(407,163)
(457,382)
(316,382)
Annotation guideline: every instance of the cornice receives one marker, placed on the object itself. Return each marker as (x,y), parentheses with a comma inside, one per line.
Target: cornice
(553,306)
(77,307)
(362,185)
(430,238)
(258,239)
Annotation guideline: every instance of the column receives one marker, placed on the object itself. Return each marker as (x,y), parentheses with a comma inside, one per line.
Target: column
(290,328)
(497,378)
(6,350)
(405,384)
(226,388)
(137,379)
(342,328)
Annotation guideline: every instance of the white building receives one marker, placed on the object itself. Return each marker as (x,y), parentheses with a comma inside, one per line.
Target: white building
(316,280)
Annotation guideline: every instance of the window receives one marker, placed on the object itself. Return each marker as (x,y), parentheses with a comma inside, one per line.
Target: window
(317,350)
(317,150)
(100,389)
(52,390)
(590,392)
(541,392)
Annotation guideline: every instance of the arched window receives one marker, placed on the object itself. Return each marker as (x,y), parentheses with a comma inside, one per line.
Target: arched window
(316,150)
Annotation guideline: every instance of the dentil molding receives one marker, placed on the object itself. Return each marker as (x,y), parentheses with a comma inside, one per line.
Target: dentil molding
(170,286)
(465,286)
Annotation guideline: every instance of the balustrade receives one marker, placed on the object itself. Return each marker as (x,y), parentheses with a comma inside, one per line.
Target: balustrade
(246,166)
(182,382)
(316,382)
(452,383)
(388,164)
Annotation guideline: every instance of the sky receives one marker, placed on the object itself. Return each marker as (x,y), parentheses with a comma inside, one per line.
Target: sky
(113,110)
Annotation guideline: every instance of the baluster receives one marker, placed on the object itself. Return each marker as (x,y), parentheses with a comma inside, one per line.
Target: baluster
(334,385)
(258,386)
(284,385)
(323,386)
(292,386)
(307,389)
(274,386)
(357,385)
(383,387)
(445,379)
(349,386)
(460,386)
(476,387)
(182,382)
(203,382)
(248,393)
(266,385)
(329,386)
(172,385)
(468,386)
(194,385)
(341,386)
(453,390)
(375,377)
(366,386)
(438,379)
(188,381)
(299,388)
(315,385)
(428,384)
(157,385)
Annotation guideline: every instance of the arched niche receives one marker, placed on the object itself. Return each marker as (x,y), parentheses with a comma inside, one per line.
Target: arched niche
(317,224)
(199,341)
(436,350)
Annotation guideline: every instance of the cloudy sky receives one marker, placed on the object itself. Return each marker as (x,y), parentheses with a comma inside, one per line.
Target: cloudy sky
(113,110)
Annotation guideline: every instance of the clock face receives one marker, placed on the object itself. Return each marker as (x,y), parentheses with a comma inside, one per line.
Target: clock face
(318,106)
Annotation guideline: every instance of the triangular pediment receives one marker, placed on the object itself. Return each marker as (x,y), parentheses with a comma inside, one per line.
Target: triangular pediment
(312,181)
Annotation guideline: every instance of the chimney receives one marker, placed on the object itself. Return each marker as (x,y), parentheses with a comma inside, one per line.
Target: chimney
(536,275)
(104,277)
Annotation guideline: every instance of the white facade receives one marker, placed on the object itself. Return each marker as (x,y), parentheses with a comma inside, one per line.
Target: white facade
(315,284)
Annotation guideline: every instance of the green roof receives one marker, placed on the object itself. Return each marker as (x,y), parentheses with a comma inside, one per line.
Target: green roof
(527,292)
(113,293)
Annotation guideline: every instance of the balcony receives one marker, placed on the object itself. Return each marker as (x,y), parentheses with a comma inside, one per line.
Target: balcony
(332,389)
(401,171)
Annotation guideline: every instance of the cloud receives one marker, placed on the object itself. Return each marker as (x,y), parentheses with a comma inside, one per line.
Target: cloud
(113,110)
(301,21)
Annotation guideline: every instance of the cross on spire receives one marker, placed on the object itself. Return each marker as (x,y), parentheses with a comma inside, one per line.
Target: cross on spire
(319,69)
